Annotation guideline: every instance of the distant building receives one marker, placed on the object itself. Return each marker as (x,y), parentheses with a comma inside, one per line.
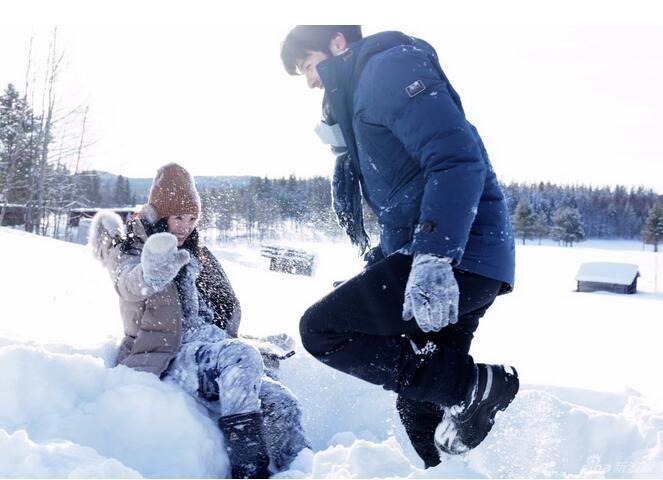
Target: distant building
(75,214)
(608,277)
(14,215)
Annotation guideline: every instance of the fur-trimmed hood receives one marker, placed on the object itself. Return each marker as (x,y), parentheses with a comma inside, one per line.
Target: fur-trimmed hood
(106,230)
(149,213)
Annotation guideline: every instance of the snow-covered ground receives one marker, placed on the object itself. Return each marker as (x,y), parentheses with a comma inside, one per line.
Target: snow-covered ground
(591,401)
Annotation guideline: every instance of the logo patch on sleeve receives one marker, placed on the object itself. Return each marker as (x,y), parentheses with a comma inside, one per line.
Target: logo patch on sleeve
(415,88)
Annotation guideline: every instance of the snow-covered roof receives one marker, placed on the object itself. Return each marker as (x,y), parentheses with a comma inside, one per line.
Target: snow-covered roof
(607,272)
(99,209)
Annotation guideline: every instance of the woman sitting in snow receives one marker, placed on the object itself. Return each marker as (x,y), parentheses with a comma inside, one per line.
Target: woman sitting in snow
(181,319)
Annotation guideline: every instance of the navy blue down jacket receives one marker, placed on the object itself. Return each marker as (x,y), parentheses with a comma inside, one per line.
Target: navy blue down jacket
(423,167)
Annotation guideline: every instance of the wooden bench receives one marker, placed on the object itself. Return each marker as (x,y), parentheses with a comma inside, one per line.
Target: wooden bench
(288,260)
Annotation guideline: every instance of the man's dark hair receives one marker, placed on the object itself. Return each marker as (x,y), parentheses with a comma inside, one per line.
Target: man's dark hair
(313,38)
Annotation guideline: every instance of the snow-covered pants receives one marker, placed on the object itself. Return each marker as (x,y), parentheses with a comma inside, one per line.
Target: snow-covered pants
(358,329)
(230,373)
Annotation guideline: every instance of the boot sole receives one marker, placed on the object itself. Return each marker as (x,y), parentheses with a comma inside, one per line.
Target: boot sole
(446,434)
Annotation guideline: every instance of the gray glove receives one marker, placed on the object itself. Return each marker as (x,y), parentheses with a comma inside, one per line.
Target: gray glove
(281,340)
(431,293)
(161,260)
(273,349)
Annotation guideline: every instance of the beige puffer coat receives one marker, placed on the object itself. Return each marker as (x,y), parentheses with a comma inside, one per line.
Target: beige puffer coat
(152,319)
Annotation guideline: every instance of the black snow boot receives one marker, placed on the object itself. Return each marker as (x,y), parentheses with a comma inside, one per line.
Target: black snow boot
(246,447)
(465,425)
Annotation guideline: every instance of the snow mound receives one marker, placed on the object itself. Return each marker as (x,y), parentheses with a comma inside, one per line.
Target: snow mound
(23,458)
(546,432)
(357,458)
(132,419)
(541,435)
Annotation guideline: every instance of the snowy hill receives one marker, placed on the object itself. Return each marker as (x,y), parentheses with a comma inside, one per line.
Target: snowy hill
(591,402)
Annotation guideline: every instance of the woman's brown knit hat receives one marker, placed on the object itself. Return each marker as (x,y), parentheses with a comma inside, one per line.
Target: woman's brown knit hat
(174,192)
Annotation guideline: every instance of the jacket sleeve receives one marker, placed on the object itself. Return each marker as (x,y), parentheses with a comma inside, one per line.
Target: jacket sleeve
(406,93)
(126,272)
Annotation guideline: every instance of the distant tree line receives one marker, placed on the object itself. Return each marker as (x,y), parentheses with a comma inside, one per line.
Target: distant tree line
(267,208)
(103,190)
(571,214)
(567,214)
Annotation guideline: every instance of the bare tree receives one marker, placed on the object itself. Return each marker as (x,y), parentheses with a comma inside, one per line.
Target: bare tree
(61,188)
(49,182)
(53,68)
(81,145)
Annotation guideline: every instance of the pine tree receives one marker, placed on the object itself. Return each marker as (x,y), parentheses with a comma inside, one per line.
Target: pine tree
(206,218)
(523,220)
(652,232)
(541,227)
(122,191)
(567,226)
(89,188)
(19,137)
(226,203)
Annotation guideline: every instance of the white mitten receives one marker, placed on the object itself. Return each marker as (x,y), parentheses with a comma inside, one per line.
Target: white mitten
(161,260)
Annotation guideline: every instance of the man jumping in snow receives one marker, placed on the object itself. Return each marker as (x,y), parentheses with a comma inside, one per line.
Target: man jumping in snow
(446,249)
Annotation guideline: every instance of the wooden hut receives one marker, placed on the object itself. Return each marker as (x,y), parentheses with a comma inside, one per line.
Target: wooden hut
(608,277)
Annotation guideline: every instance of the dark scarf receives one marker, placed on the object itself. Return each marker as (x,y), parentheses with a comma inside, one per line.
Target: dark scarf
(346,191)
(342,74)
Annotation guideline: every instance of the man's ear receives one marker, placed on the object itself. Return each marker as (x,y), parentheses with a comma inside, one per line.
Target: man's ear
(338,44)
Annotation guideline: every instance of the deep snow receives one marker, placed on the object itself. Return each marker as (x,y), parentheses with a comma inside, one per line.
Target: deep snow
(590,403)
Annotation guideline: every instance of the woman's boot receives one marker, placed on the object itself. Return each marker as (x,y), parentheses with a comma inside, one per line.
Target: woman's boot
(245,445)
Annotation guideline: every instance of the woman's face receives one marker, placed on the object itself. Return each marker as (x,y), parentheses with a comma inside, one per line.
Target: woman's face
(181,226)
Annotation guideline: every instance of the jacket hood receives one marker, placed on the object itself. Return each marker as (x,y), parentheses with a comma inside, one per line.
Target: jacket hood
(106,230)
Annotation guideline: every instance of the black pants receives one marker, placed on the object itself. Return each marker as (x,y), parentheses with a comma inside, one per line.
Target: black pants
(358,329)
